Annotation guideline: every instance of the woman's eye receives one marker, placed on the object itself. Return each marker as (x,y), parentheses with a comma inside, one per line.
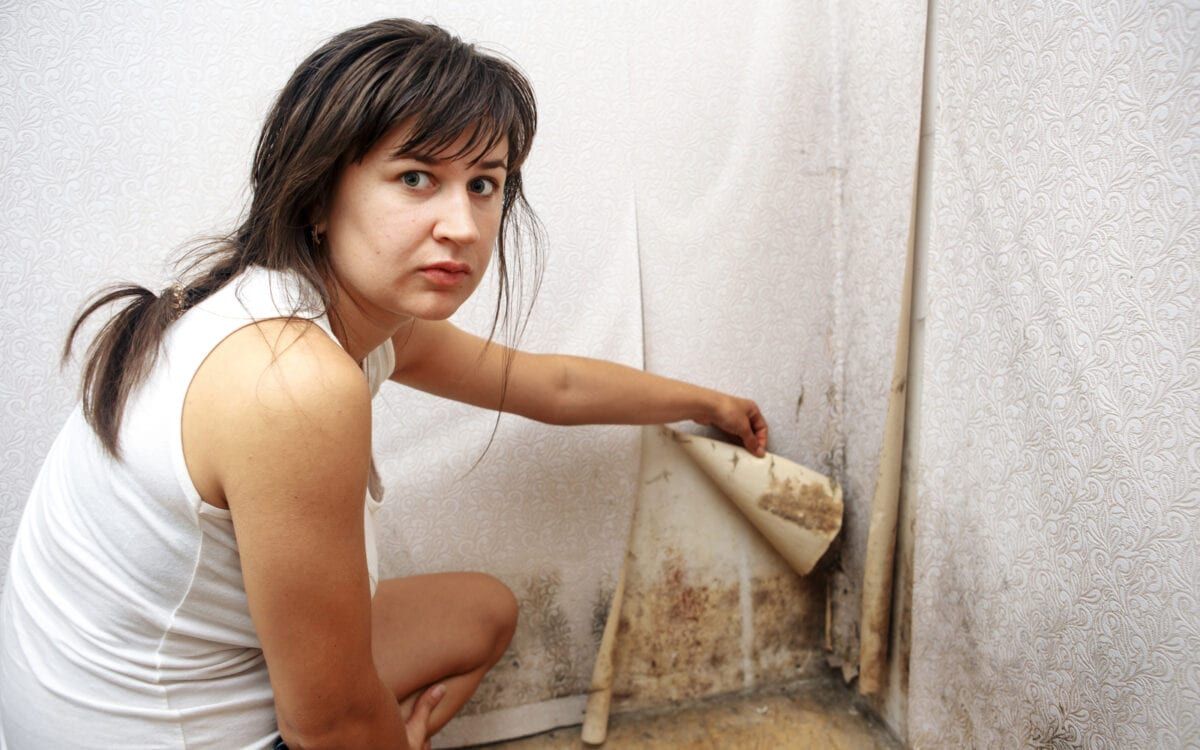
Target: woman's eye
(415,179)
(482,186)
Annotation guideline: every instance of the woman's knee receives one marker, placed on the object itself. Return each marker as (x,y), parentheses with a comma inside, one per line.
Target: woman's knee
(498,613)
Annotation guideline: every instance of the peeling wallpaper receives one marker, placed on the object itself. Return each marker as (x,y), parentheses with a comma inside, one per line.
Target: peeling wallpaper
(1057,595)
(878,113)
(709,606)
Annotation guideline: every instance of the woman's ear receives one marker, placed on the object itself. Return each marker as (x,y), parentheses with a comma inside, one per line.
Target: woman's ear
(318,220)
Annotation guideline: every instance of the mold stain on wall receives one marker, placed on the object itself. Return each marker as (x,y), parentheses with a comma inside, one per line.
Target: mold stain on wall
(678,638)
(1054,728)
(806,505)
(681,639)
(600,606)
(788,617)
(688,629)
(541,646)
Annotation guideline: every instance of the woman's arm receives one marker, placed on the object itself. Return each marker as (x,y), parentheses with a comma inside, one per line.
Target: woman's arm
(436,357)
(277,426)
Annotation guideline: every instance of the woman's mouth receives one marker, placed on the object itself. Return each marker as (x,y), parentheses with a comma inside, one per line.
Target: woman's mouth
(447,274)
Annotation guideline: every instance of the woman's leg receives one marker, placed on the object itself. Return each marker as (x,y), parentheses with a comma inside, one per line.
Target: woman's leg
(449,628)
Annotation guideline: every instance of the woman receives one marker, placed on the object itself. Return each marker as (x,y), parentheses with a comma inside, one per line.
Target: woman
(195,567)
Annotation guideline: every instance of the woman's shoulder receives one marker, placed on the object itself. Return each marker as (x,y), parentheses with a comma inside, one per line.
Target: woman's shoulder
(269,399)
(270,369)
(265,390)
(260,322)
(286,359)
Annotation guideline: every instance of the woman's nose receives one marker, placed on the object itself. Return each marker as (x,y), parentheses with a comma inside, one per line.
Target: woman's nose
(456,219)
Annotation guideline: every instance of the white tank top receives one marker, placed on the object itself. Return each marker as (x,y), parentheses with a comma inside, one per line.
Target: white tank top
(124,621)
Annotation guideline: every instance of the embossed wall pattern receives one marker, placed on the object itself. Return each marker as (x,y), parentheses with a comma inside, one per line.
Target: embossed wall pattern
(1057,598)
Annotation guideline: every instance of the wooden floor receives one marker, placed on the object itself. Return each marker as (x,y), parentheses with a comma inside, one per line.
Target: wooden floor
(820,715)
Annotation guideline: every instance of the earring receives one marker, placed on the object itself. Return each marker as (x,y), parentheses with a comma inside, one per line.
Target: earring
(316,238)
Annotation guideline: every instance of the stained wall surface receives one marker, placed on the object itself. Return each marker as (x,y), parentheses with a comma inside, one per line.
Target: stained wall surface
(1057,595)
(734,186)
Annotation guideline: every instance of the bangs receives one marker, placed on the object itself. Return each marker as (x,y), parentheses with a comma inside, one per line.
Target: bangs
(459,92)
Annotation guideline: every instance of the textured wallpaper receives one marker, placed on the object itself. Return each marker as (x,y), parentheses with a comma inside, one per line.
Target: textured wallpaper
(1057,598)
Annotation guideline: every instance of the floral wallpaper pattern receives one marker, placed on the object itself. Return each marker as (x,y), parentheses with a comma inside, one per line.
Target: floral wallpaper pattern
(1057,595)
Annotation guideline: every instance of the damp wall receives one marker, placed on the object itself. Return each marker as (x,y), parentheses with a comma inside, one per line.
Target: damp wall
(709,606)
(807,170)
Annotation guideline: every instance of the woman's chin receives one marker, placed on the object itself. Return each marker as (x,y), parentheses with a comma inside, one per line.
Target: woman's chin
(435,310)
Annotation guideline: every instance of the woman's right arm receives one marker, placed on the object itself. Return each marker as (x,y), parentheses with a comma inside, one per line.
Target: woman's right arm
(283,415)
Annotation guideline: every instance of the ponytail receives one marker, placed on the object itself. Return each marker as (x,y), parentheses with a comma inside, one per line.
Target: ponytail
(121,355)
(125,349)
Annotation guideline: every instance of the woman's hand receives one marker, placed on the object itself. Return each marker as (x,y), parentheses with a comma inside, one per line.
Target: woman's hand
(740,417)
(417,723)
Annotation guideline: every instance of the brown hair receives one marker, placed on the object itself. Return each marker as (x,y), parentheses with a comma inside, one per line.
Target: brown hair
(336,106)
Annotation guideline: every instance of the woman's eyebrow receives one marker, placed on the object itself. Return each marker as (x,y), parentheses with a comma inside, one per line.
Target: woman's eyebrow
(398,155)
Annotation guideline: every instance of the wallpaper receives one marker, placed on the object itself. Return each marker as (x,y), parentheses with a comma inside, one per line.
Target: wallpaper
(735,198)
(1057,596)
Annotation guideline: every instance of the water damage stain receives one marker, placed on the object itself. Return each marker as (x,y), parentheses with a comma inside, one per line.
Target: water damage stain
(538,664)
(600,607)
(789,617)
(678,638)
(808,504)
(1055,728)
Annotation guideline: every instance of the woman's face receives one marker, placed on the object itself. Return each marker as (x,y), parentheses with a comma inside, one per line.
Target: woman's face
(410,235)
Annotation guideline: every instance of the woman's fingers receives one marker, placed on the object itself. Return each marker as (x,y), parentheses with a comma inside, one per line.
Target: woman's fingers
(758,424)
(751,427)
(418,723)
(741,417)
(749,439)
(747,422)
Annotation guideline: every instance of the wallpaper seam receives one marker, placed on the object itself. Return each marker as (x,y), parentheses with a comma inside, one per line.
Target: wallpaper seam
(637,243)
(839,254)
(843,654)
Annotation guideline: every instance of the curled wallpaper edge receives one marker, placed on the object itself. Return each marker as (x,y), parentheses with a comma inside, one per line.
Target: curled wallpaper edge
(879,566)
(878,113)
(881,540)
